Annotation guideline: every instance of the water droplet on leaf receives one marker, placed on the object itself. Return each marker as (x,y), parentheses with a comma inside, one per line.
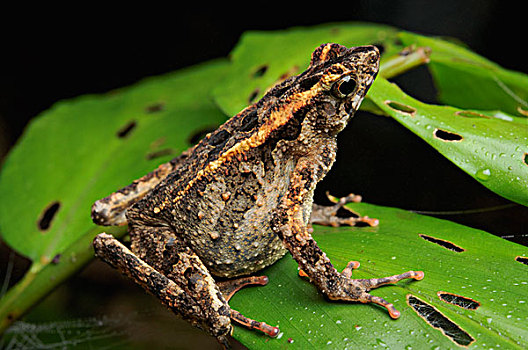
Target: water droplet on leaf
(483,174)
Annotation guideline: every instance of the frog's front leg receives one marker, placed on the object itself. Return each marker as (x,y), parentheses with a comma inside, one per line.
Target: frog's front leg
(291,226)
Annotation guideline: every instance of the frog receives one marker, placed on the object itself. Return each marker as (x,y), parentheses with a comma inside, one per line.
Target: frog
(202,224)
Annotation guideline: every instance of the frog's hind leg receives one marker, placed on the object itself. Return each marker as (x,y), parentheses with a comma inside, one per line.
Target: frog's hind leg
(339,215)
(186,288)
(110,211)
(230,287)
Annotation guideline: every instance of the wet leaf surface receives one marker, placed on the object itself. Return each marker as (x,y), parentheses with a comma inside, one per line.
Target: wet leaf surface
(467,80)
(486,272)
(489,146)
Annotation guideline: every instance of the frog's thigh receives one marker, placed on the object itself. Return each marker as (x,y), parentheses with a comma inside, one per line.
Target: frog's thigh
(161,249)
(189,290)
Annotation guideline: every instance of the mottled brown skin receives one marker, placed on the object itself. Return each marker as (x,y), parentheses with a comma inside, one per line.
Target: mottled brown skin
(238,200)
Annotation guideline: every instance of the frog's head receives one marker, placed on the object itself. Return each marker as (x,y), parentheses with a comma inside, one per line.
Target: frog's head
(337,81)
(323,98)
(316,103)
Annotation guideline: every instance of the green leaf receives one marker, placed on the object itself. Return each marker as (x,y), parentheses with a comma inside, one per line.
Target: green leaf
(82,150)
(467,80)
(491,147)
(485,271)
(76,153)
(261,59)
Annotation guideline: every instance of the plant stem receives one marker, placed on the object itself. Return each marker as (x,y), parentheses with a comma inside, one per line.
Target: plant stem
(40,280)
(406,60)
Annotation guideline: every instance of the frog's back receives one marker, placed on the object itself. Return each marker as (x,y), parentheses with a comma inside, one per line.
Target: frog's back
(226,218)
(221,199)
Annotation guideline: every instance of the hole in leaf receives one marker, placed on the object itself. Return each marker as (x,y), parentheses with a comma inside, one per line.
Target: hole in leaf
(437,320)
(156,107)
(522,259)
(525,158)
(253,95)
(47,216)
(443,243)
(125,130)
(401,108)
(470,114)
(260,71)
(159,153)
(56,259)
(447,136)
(200,134)
(458,300)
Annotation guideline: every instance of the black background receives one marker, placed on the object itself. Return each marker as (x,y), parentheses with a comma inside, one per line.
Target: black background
(47,55)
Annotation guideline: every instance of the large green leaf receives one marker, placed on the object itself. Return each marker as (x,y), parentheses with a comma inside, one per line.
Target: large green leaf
(82,150)
(467,80)
(486,271)
(491,147)
(76,153)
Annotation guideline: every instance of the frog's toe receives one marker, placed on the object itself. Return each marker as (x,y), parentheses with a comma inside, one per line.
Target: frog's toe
(351,266)
(230,287)
(357,289)
(338,214)
(252,324)
(382,302)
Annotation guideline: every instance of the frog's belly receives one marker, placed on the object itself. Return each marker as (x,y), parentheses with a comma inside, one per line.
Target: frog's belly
(240,253)
(232,233)
(233,239)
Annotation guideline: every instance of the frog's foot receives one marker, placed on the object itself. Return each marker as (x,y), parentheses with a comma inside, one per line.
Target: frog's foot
(357,289)
(252,324)
(339,215)
(229,288)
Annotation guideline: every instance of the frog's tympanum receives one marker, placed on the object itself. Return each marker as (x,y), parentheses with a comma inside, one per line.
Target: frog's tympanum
(242,197)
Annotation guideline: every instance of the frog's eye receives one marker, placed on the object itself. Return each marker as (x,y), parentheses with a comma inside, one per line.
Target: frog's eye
(344,87)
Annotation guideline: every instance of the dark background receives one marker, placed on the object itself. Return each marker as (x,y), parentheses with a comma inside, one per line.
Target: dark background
(47,57)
